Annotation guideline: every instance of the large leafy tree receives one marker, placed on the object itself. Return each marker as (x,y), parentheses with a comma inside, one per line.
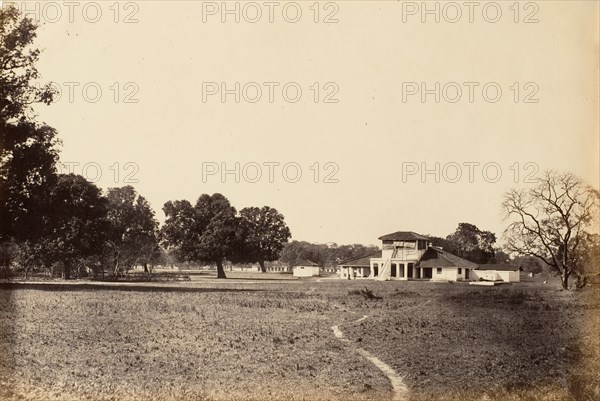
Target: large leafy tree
(448,245)
(147,234)
(206,232)
(17,67)
(28,152)
(74,223)
(264,234)
(28,158)
(474,244)
(469,242)
(549,220)
(181,230)
(133,230)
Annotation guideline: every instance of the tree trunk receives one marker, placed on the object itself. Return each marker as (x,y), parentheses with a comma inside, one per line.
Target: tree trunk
(116,270)
(146,268)
(564,278)
(67,267)
(220,270)
(263,269)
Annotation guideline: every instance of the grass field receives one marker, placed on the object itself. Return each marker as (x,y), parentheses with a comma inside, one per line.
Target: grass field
(271,339)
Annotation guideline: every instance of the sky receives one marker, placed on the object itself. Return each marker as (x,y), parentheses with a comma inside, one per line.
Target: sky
(354,119)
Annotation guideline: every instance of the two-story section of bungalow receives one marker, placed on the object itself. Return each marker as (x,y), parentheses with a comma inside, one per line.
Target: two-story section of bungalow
(400,253)
(406,255)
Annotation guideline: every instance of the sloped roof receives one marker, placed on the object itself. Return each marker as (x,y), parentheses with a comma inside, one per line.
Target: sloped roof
(403,236)
(501,267)
(435,257)
(365,261)
(305,262)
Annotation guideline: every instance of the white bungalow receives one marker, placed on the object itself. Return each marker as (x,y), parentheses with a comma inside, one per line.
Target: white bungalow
(406,255)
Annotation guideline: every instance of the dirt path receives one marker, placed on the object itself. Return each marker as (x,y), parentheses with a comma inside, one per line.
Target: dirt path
(398,385)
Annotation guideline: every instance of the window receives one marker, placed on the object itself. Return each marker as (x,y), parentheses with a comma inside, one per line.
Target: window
(401,270)
(459,270)
(375,270)
(438,270)
(422,244)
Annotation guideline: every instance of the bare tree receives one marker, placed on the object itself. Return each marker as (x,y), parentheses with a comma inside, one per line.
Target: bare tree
(548,221)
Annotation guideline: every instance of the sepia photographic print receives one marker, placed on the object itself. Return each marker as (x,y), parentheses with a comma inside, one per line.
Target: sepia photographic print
(306,200)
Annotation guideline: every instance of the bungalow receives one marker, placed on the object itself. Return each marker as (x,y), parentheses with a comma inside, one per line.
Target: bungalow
(306,268)
(406,255)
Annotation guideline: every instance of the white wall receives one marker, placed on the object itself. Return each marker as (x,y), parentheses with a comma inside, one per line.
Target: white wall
(306,271)
(485,275)
(403,254)
(510,276)
(515,277)
(494,275)
(447,274)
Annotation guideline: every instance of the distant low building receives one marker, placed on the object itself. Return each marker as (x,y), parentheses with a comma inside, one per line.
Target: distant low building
(306,268)
(279,268)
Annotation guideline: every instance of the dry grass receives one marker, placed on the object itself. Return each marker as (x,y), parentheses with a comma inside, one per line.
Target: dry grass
(247,339)
(243,345)
(455,342)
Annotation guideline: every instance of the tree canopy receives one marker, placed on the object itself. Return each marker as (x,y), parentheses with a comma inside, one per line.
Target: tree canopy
(28,150)
(206,232)
(74,223)
(474,244)
(264,235)
(18,67)
(469,242)
(133,230)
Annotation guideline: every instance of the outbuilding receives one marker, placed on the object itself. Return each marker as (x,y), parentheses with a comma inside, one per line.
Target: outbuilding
(498,272)
(306,268)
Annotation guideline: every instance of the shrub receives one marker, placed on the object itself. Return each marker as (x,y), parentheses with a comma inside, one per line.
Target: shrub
(366,293)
